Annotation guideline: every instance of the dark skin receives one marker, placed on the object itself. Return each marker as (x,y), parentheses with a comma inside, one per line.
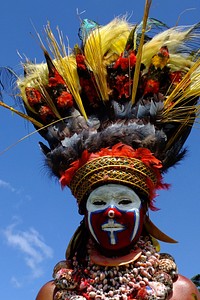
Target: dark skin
(183,289)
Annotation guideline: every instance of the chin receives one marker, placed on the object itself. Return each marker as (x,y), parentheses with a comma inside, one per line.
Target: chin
(116,250)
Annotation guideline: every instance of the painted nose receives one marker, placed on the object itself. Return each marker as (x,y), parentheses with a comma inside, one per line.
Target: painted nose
(111,213)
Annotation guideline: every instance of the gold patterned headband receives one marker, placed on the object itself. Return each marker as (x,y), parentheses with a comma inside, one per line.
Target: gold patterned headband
(104,170)
(121,164)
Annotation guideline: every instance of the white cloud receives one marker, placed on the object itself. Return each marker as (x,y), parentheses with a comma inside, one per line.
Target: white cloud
(32,245)
(7,185)
(15,282)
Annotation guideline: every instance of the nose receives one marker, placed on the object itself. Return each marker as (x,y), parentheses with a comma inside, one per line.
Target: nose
(111,213)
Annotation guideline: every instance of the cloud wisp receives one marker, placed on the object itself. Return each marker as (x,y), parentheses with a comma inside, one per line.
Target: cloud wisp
(20,195)
(32,245)
(7,185)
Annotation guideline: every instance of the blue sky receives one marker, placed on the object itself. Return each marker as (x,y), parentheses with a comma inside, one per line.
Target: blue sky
(37,218)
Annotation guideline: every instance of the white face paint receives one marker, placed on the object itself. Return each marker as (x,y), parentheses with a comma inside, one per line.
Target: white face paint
(116,195)
(113,215)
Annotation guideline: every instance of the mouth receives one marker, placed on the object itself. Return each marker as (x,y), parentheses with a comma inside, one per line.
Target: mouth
(114,226)
(111,224)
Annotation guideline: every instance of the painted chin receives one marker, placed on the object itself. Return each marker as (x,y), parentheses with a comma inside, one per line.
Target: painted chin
(114,236)
(119,241)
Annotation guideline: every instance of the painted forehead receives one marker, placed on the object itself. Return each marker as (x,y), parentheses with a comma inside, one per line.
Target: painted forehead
(115,190)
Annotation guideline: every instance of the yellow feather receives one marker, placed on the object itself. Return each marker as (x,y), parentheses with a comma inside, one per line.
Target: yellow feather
(113,37)
(66,66)
(177,108)
(186,89)
(179,131)
(140,50)
(67,69)
(173,38)
(36,76)
(102,45)
(24,116)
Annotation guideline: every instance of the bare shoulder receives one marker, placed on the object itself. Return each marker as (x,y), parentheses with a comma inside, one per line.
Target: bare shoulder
(46,292)
(184,289)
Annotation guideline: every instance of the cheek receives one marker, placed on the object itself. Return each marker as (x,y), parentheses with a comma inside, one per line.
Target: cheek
(132,223)
(139,226)
(94,220)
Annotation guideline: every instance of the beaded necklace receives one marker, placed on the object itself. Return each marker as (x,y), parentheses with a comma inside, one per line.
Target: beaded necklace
(149,277)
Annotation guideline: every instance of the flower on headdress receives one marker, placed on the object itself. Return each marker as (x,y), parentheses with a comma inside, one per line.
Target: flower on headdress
(125,62)
(80,60)
(65,100)
(33,96)
(176,77)
(151,86)
(89,89)
(161,59)
(45,112)
(122,85)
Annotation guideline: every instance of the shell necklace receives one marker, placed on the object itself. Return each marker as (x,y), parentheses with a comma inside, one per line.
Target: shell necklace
(149,276)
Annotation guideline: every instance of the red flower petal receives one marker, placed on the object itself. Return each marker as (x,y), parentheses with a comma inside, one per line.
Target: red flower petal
(65,100)
(33,96)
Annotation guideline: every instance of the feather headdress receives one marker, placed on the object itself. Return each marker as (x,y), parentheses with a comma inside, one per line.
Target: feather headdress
(123,102)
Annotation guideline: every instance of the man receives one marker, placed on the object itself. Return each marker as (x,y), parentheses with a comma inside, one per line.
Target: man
(116,113)
(114,218)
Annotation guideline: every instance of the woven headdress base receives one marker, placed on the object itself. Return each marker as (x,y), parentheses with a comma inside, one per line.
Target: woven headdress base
(107,169)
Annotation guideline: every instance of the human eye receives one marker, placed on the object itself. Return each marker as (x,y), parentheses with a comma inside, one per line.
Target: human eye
(98,202)
(124,201)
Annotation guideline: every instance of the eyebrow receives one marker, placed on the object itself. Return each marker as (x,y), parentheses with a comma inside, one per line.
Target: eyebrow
(101,195)
(123,193)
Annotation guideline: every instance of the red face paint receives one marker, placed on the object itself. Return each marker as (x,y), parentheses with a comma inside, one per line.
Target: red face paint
(114,216)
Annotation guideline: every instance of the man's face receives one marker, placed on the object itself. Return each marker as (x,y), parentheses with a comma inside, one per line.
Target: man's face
(114,216)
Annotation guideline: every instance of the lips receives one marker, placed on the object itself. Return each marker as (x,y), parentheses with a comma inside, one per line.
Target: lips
(111,224)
